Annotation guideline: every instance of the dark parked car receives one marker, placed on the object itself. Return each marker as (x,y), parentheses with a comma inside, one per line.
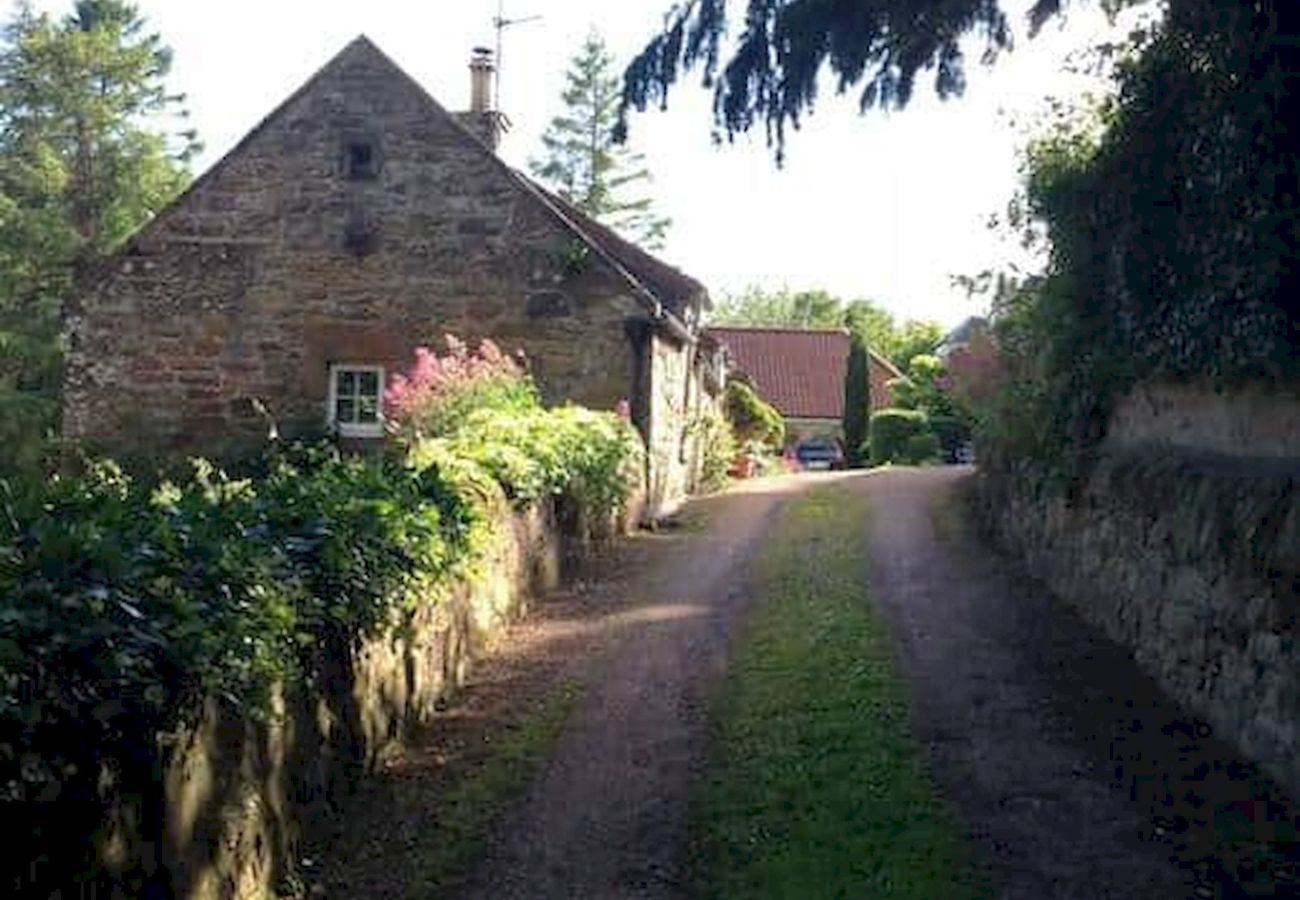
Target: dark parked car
(819,453)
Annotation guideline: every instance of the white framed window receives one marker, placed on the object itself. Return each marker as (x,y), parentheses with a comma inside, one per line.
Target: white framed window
(355,400)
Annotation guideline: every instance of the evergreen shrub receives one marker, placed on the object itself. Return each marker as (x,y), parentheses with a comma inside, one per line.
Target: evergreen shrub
(891,431)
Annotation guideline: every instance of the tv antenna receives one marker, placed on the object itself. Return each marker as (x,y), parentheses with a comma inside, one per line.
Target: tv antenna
(501,23)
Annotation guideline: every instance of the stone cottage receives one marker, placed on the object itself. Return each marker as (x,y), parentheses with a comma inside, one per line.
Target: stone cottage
(358,221)
(801,372)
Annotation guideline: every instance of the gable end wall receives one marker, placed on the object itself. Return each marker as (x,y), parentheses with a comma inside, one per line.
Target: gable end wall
(276,265)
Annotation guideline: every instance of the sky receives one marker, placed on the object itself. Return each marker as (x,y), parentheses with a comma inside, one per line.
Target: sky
(886,206)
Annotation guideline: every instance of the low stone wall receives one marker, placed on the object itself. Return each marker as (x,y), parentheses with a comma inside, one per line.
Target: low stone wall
(227,811)
(1191,559)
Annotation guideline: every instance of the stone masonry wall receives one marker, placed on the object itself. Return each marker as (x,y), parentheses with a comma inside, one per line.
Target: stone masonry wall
(237,795)
(277,264)
(1187,556)
(679,398)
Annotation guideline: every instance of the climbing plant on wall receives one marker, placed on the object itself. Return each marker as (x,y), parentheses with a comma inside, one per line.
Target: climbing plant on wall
(1173,228)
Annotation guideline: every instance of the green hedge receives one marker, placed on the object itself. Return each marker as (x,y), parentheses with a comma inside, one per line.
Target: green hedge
(125,604)
(920,448)
(751,417)
(892,434)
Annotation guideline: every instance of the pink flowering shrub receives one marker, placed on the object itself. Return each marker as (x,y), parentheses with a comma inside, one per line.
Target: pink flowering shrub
(439,392)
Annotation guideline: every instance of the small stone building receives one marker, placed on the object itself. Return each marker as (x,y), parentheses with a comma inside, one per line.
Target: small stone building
(358,221)
(801,373)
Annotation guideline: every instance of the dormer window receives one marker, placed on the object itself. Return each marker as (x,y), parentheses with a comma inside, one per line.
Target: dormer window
(361,159)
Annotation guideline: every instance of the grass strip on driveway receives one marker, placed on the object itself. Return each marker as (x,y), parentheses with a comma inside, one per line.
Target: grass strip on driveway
(815,786)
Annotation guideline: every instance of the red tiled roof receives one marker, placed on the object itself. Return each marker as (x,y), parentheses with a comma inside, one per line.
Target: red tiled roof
(799,372)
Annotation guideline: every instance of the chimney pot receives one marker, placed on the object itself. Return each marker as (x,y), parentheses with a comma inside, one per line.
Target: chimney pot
(481,69)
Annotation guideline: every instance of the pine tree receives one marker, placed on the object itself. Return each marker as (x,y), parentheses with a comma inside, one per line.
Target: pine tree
(82,165)
(770,73)
(583,162)
(857,398)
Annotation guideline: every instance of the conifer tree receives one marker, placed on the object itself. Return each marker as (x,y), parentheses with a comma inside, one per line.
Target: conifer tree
(84,161)
(581,159)
(769,71)
(857,397)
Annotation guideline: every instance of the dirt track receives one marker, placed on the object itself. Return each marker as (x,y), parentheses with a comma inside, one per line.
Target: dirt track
(1074,776)
(607,819)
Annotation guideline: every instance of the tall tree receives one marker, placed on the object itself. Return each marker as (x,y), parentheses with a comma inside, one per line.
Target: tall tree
(583,162)
(775,67)
(782,308)
(857,399)
(85,158)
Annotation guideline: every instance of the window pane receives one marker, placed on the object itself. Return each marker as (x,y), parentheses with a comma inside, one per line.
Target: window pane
(347,385)
(368,384)
(367,409)
(345,410)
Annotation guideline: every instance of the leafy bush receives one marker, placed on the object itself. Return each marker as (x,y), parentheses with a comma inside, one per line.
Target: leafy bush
(122,605)
(892,430)
(438,393)
(592,457)
(125,604)
(920,448)
(751,417)
(718,449)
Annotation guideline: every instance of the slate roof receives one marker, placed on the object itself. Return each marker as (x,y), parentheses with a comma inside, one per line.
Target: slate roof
(798,371)
(674,288)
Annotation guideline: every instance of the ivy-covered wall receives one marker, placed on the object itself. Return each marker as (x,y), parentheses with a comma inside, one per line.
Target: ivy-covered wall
(238,794)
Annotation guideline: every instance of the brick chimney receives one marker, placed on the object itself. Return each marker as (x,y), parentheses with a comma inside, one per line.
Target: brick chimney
(486,123)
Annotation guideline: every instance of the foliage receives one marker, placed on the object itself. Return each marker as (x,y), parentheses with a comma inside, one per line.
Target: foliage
(83,163)
(434,398)
(479,413)
(124,603)
(819,309)
(582,160)
(776,65)
(892,431)
(857,398)
(909,340)
(752,418)
(927,387)
(718,448)
(920,448)
(782,307)
(1173,225)
(815,786)
(592,457)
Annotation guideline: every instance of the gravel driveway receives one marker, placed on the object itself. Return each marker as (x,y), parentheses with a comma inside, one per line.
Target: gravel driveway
(1075,775)
(607,819)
